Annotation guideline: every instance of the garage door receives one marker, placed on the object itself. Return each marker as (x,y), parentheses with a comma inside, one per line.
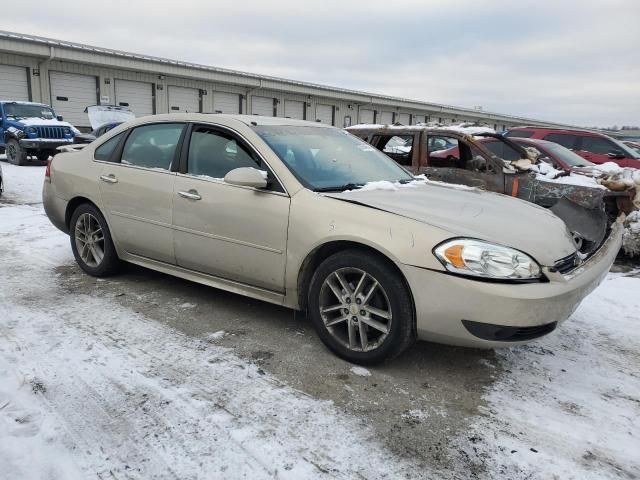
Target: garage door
(386,118)
(404,118)
(262,106)
(367,116)
(324,113)
(224,102)
(138,96)
(13,83)
(71,94)
(294,109)
(418,119)
(184,99)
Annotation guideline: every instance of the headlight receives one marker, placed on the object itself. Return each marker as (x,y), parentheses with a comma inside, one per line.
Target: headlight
(66,130)
(477,258)
(30,130)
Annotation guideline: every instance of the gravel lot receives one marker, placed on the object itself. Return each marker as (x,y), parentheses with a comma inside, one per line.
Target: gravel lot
(147,376)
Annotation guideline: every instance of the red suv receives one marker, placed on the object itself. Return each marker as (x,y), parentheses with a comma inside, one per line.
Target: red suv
(593,146)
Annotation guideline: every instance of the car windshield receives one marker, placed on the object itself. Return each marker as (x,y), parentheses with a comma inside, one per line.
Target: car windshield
(566,155)
(25,110)
(326,159)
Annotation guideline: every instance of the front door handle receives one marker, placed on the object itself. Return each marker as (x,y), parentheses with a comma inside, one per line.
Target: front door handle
(191,195)
(109,178)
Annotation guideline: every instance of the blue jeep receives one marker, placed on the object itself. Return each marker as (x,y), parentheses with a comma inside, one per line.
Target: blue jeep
(32,129)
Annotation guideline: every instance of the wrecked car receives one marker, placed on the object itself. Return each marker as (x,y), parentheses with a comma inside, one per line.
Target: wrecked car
(310,217)
(587,208)
(102,119)
(32,129)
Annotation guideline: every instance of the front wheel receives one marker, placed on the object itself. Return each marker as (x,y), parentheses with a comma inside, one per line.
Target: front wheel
(91,242)
(15,153)
(361,307)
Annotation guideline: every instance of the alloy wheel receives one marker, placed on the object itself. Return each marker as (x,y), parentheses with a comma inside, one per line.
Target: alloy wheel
(89,239)
(355,309)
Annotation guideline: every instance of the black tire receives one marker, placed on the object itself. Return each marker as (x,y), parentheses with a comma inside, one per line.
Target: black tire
(110,262)
(43,156)
(401,332)
(16,155)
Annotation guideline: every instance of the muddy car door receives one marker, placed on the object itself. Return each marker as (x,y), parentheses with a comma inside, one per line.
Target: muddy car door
(452,159)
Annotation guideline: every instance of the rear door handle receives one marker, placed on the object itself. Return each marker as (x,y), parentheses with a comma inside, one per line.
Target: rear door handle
(191,195)
(109,178)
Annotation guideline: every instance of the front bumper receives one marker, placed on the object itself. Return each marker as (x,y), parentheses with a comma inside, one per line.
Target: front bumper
(44,143)
(443,301)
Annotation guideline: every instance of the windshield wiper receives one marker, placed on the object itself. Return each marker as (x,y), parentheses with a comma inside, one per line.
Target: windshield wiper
(339,188)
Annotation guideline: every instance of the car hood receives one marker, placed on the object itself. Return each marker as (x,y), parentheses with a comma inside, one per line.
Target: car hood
(467,212)
(38,122)
(101,114)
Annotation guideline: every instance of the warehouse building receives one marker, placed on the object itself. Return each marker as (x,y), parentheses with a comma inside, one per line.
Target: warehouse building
(70,76)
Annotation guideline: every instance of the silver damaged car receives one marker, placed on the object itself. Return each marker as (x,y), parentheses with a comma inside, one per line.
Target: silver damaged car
(313,218)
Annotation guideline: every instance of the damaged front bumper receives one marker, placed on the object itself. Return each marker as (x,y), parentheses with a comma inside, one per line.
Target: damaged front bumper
(460,311)
(44,143)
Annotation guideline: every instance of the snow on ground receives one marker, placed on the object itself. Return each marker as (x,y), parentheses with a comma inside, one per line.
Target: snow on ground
(121,396)
(91,389)
(569,406)
(22,184)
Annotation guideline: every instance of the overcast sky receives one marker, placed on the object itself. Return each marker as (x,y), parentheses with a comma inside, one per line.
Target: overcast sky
(574,61)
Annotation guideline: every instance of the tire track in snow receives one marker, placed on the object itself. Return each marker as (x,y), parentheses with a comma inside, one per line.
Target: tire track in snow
(150,393)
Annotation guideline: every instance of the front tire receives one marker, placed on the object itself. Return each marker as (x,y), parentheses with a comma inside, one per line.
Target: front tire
(16,155)
(91,242)
(361,307)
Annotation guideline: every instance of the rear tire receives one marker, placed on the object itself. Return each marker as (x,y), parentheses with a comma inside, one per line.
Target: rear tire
(43,156)
(91,242)
(361,307)
(16,155)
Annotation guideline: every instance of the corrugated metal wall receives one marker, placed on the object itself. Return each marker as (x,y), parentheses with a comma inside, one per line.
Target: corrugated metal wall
(346,106)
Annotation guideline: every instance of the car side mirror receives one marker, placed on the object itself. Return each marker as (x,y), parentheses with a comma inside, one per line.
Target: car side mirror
(616,154)
(247,177)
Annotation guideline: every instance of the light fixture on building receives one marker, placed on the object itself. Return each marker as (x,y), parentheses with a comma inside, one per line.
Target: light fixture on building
(107,81)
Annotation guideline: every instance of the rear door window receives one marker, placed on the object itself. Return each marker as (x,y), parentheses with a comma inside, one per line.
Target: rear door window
(105,151)
(598,145)
(152,146)
(565,139)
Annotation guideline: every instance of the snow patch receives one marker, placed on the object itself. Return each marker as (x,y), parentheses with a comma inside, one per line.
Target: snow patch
(631,234)
(360,371)
(216,335)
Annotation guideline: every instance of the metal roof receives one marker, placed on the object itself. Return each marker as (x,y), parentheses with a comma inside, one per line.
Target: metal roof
(167,61)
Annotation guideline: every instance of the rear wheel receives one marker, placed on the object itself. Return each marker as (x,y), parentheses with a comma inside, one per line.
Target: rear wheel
(91,242)
(361,307)
(15,153)
(43,156)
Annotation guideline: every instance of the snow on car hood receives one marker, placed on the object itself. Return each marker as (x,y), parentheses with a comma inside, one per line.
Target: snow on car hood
(101,114)
(476,214)
(43,122)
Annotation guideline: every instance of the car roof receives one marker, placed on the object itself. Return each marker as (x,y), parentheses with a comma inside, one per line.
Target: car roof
(560,130)
(399,129)
(25,103)
(250,120)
